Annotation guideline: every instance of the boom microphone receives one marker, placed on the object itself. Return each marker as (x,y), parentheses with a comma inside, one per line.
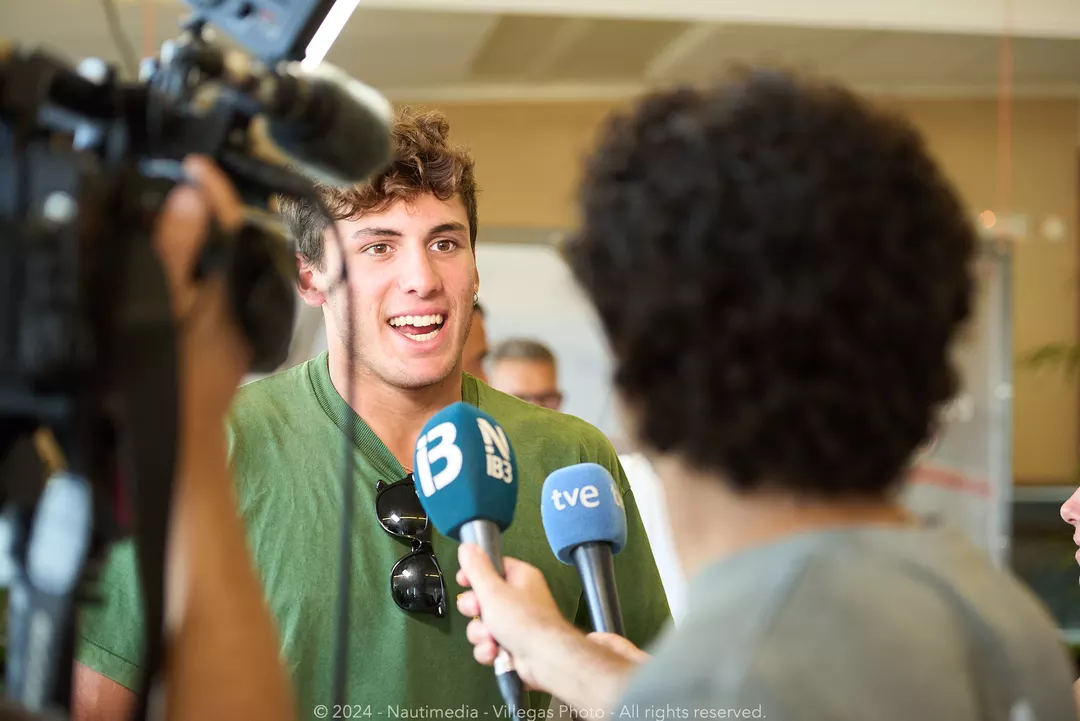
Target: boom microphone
(330,126)
(585,522)
(335,126)
(466,476)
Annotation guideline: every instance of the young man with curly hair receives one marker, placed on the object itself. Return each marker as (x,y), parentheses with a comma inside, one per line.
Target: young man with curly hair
(409,238)
(781,270)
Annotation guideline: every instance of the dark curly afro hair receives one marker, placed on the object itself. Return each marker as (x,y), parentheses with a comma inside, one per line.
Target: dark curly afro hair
(781,270)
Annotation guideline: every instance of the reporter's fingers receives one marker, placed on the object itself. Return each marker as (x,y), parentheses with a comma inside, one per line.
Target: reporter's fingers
(477,633)
(462,578)
(218,189)
(485,653)
(477,566)
(520,573)
(468,604)
(484,647)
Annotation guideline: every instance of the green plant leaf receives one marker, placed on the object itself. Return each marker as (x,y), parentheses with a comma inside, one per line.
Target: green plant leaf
(1060,356)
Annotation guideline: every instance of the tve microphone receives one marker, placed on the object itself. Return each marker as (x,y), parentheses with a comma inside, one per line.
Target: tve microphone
(466,478)
(585,521)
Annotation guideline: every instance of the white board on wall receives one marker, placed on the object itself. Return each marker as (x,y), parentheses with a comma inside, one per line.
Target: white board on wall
(527,291)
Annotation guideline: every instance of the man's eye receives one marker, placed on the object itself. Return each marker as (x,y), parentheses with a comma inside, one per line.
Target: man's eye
(378,249)
(444,246)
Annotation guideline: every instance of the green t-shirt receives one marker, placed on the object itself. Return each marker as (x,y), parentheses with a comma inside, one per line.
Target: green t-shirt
(287,451)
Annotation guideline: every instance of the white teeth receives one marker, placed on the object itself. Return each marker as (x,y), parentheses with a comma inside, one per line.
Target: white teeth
(417,321)
(423,336)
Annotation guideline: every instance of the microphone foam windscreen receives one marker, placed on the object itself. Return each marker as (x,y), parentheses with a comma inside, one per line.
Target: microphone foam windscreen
(582,504)
(464,469)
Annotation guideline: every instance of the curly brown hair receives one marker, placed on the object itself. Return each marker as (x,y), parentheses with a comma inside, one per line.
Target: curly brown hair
(424,161)
(781,269)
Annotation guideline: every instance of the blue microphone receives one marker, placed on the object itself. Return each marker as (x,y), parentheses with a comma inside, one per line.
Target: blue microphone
(466,478)
(585,522)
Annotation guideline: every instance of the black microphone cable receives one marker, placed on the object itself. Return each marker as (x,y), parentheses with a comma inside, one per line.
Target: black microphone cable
(348,490)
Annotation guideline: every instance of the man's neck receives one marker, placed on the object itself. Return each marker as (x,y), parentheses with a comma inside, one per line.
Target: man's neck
(395,415)
(709,521)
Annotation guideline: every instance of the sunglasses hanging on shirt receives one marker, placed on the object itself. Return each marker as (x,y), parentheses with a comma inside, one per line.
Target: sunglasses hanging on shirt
(416,581)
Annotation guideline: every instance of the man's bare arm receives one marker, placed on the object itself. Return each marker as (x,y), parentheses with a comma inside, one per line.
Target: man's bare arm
(586,674)
(96,697)
(223,653)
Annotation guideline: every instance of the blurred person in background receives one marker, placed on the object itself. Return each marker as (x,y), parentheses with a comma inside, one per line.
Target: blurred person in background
(475,352)
(781,270)
(409,240)
(527,369)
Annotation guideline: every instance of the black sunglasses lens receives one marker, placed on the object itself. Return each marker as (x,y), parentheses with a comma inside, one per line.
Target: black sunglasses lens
(416,583)
(400,511)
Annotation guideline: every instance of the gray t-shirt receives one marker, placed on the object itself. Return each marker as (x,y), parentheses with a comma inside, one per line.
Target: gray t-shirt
(874,624)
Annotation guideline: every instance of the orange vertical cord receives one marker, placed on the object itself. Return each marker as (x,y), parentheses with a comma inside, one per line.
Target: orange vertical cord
(149,48)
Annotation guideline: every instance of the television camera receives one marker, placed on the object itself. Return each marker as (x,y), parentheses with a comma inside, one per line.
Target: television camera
(88,341)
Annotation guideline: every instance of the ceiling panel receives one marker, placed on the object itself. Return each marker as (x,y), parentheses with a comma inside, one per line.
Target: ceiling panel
(76,29)
(916,59)
(1046,61)
(394,49)
(616,50)
(515,45)
(403,50)
(802,48)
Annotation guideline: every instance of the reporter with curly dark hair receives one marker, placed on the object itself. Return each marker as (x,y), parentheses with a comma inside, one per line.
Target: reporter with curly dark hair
(781,269)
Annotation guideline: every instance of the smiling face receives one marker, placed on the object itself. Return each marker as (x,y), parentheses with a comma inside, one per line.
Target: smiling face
(412,276)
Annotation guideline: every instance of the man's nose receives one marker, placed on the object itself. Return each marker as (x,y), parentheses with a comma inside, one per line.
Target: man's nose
(419,274)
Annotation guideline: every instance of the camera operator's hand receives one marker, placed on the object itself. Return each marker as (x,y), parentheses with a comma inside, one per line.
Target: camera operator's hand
(213,353)
(223,651)
(519,614)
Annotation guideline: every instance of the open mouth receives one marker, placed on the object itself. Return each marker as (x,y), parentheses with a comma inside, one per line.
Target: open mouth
(419,328)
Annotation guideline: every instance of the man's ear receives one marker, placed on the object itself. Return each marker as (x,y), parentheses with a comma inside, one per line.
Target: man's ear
(307,281)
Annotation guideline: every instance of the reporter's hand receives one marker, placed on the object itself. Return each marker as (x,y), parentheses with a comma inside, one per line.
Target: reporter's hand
(519,613)
(618,644)
(213,354)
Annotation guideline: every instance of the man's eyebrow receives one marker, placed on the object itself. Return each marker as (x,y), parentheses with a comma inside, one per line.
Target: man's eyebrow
(447,228)
(376,233)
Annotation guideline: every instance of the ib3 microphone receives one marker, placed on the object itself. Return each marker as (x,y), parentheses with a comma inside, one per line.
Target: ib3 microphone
(466,478)
(585,522)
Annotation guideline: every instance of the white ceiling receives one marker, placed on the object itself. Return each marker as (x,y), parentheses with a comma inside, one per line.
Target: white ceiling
(437,55)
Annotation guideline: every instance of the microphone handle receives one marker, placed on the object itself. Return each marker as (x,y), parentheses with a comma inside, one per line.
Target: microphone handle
(486,535)
(596,567)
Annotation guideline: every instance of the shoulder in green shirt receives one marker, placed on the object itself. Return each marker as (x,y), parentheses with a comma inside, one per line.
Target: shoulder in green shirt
(287,446)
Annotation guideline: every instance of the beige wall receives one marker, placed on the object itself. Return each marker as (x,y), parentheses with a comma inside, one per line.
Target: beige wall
(529,154)
(1044,182)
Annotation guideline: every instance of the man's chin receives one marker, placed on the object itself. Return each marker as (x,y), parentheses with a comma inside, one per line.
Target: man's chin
(417,375)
